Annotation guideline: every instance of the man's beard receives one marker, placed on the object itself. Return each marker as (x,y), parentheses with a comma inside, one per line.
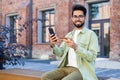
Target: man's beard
(79,25)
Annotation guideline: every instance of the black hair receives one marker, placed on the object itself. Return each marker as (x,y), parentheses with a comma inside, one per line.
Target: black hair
(79,7)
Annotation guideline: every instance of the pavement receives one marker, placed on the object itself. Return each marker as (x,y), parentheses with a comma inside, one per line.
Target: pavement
(108,69)
(105,68)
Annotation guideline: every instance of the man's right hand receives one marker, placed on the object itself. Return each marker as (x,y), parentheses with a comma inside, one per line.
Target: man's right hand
(53,40)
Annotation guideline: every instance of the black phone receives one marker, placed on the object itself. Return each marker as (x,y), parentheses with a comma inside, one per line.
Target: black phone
(51,31)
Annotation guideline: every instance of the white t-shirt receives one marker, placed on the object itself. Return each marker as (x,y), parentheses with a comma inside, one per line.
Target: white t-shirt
(71,53)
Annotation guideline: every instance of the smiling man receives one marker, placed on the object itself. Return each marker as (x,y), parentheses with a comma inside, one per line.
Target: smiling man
(78,51)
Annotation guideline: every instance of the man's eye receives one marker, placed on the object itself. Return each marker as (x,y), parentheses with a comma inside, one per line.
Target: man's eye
(80,16)
(75,16)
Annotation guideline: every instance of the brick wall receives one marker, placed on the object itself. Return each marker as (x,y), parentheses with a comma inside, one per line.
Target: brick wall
(62,19)
(115,30)
(62,22)
(20,7)
(0,12)
(24,13)
(0,18)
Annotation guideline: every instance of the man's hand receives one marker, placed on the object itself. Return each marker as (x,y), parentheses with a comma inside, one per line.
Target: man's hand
(53,40)
(69,42)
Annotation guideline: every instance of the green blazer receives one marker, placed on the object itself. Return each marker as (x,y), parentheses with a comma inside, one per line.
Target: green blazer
(86,53)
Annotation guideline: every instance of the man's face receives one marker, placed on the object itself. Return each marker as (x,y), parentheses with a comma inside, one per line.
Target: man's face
(78,18)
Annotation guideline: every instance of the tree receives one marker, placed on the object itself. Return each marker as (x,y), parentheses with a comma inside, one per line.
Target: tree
(12,53)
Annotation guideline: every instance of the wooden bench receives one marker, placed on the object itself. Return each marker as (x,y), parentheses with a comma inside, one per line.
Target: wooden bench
(20,74)
(26,74)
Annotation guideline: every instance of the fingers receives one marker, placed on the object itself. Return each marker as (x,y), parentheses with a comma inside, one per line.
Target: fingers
(67,40)
(53,38)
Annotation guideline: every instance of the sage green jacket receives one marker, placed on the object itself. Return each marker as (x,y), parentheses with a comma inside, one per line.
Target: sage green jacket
(86,53)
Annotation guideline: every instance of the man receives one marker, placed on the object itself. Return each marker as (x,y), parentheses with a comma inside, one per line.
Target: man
(78,51)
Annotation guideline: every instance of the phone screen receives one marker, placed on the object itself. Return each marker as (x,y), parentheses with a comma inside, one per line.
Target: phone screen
(51,31)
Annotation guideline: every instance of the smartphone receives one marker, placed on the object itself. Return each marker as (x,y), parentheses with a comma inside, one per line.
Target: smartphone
(51,31)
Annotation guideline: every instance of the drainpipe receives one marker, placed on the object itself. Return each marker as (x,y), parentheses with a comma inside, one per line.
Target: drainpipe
(30,27)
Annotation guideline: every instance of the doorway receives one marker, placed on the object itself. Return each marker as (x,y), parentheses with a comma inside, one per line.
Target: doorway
(100,24)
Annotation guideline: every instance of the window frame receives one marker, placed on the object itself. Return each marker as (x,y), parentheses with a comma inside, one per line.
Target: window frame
(7,21)
(41,25)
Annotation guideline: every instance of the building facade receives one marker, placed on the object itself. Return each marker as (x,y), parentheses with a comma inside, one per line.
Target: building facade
(103,18)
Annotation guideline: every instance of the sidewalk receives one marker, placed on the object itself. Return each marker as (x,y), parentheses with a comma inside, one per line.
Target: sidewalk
(106,63)
(104,67)
(107,68)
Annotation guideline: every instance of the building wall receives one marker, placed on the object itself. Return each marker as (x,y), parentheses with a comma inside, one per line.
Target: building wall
(62,22)
(0,12)
(19,7)
(115,30)
(61,14)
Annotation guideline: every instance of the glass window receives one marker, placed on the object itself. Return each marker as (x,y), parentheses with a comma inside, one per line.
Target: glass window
(106,38)
(48,16)
(100,10)
(99,23)
(13,29)
(96,28)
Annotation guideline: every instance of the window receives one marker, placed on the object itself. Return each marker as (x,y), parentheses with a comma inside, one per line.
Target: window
(100,24)
(12,24)
(100,10)
(49,21)
(13,29)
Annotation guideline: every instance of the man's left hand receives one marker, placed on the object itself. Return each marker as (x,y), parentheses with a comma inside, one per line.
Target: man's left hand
(69,42)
